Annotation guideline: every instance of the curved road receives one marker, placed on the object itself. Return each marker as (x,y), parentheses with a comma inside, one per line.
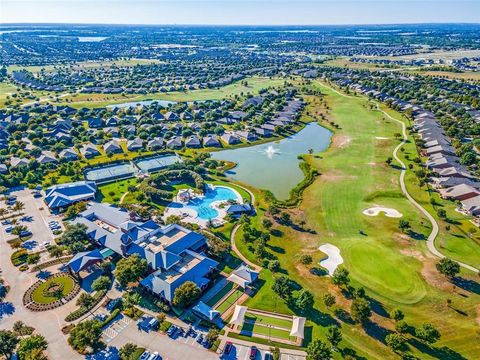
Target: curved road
(431,238)
(234,232)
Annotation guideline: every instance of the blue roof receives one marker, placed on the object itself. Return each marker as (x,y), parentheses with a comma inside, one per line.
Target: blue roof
(66,194)
(205,311)
(84,259)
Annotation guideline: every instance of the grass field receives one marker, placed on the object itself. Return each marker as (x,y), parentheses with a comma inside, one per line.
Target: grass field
(395,269)
(255,84)
(111,193)
(65,281)
(269,320)
(231,299)
(254,328)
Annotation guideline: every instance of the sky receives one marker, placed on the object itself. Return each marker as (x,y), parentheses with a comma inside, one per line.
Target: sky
(240,12)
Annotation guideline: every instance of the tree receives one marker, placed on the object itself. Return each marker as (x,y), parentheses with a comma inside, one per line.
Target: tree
(130,269)
(306,259)
(360,310)
(285,217)
(55,251)
(85,334)
(8,343)
(85,300)
(101,283)
(318,350)
(428,333)
(29,344)
(283,287)
(448,267)
(401,327)
(35,354)
(334,335)
(185,294)
(389,161)
(212,335)
(275,351)
(304,300)
(397,314)
(340,277)
(395,341)
(75,237)
(130,299)
(404,225)
(329,300)
(267,224)
(33,258)
(274,265)
(127,351)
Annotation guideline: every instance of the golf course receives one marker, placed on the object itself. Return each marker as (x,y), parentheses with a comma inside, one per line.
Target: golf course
(394,266)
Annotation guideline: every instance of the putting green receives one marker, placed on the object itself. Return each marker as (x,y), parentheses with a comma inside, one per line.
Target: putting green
(385,272)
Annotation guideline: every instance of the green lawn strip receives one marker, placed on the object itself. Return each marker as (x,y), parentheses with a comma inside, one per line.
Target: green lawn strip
(255,328)
(67,283)
(231,299)
(262,341)
(112,192)
(137,353)
(269,320)
(219,295)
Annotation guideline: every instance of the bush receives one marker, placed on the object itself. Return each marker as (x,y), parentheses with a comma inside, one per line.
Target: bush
(164,326)
(77,314)
(112,316)
(19,257)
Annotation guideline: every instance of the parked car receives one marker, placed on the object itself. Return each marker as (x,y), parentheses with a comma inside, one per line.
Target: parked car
(199,338)
(172,330)
(268,356)
(6,222)
(144,356)
(9,229)
(155,356)
(46,244)
(228,347)
(25,233)
(253,353)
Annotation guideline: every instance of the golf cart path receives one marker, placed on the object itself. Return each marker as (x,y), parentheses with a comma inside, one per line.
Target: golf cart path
(431,238)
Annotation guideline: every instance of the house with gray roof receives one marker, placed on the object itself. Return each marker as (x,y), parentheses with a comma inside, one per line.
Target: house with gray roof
(68,154)
(211,141)
(135,144)
(89,150)
(155,144)
(47,157)
(112,147)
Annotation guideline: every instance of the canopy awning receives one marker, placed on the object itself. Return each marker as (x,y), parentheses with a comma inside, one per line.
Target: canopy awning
(298,326)
(238,315)
(243,276)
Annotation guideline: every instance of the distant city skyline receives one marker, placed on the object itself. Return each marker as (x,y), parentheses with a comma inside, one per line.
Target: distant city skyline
(240,12)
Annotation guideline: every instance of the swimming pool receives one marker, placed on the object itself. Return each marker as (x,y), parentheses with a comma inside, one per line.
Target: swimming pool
(202,205)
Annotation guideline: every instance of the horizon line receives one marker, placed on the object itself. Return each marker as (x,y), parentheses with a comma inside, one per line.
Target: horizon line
(3,24)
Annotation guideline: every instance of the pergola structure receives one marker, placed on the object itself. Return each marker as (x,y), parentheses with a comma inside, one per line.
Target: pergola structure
(298,327)
(238,315)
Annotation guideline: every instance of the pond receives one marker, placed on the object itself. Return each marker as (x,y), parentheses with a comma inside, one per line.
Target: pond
(274,166)
(164,103)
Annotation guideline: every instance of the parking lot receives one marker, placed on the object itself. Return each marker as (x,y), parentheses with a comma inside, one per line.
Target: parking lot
(177,348)
(242,352)
(115,328)
(38,220)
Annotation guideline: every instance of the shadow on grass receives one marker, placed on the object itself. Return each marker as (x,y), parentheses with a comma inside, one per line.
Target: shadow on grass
(467,284)
(276,249)
(439,353)
(349,353)
(376,331)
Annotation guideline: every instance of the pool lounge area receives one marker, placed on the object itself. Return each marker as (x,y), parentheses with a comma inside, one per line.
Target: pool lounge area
(203,209)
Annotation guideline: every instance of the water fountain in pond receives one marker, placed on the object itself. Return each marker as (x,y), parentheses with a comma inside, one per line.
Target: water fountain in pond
(270,151)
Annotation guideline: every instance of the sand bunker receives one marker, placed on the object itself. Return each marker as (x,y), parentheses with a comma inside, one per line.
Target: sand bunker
(333,258)
(374,211)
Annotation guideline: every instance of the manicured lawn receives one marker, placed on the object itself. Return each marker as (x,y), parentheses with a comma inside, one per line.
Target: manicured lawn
(224,291)
(266,331)
(111,193)
(269,320)
(229,301)
(66,282)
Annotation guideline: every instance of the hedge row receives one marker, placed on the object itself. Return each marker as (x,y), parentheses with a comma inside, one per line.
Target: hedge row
(77,314)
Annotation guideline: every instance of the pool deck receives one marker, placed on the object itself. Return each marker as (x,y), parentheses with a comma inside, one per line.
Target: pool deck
(189,215)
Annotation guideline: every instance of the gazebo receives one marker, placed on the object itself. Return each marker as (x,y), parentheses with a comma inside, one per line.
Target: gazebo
(243,276)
